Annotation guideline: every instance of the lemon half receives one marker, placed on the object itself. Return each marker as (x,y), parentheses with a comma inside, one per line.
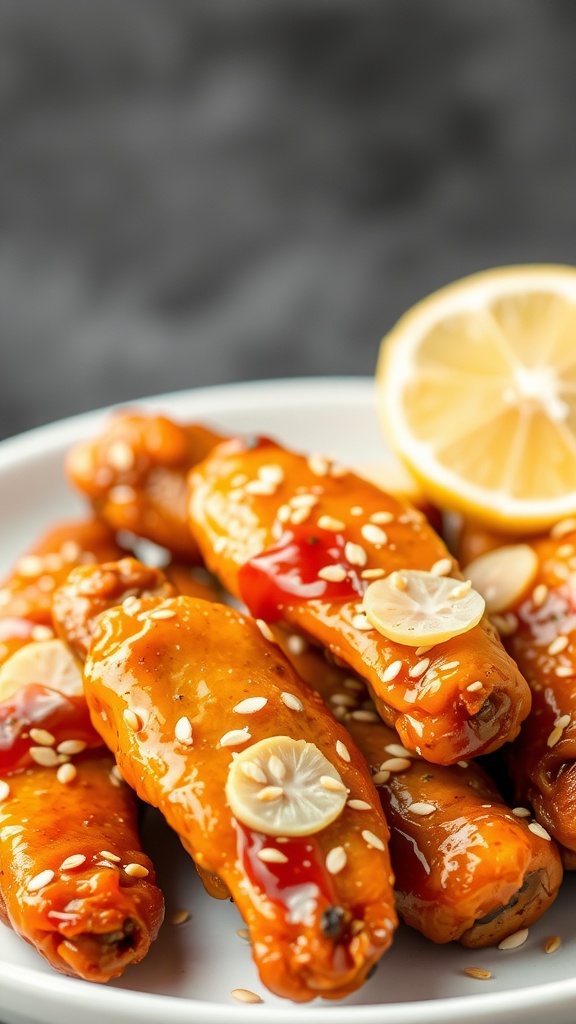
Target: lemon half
(477,394)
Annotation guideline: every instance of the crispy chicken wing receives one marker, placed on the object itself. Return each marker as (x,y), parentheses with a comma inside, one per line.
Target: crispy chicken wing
(299,540)
(210,723)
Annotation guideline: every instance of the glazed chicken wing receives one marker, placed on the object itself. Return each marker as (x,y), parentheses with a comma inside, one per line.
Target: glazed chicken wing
(210,723)
(531,587)
(134,475)
(466,867)
(299,541)
(74,881)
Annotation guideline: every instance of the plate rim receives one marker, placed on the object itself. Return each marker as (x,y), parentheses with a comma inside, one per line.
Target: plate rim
(124,1004)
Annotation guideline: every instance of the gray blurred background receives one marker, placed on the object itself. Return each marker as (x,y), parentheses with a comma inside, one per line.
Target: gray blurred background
(202,191)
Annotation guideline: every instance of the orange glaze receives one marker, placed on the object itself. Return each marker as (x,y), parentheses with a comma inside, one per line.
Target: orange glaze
(246,499)
(38,707)
(134,475)
(539,631)
(27,591)
(312,933)
(88,921)
(94,920)
(471,870)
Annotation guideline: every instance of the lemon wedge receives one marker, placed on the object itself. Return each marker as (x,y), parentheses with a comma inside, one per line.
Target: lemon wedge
(284,787)
(477,394)
(503,575)
(48,662)
(419,608)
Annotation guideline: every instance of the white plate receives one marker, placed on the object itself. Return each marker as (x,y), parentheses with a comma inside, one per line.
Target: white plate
(191,969)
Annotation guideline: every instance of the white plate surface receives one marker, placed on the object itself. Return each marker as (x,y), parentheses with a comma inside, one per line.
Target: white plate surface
(191,969)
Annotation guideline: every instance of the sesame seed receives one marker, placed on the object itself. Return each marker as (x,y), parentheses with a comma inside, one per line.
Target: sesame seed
(45,756)
(353,684)
(66,773)
(344,700)
(244,995)
(336,860)
(460,591)
(243,933)
(552,944)
(304,501)
(539,595)
(563,721)
(381,518)
(40,880)
(180,917)
(537,829)
(342,750)
(260,487)
(554,737)
(132,720)
(563,527)
(273,473)
(43,737)
(250,705)
(110,856)
(71,747)
(374,534)
(505,624)
(73,862)
(372,840)
(30,565)
(475,686)
(70,550)
(330,523)
(319,465)
(220,544)
(270,793)
(521,812)
(398,581)
(565,551)
(120,455)
(183,731)
(136,870)
(300,515)
(116,774)
(122,494)
(422,808)
(265,630)
(443,567)
(163,613)
(397,750)
(391,671)
(331,784)
(355,554)
(424,650)
(235,738)
(462,764)
(560,643)
(283,514)
(42,633)
(564,671)
(365,716)
(372,574)
(379,778)
(419,668)
(253,771)
(359,805)
(270,855)
(513,941)
(4,790)
(478,973)
(296,644)
(360,622)
(332,573)
(395,764)
(356,510)
(291,701)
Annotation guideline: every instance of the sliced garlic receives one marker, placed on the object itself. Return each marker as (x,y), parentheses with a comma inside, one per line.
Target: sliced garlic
(48,662)
(299,770)
(502,576)
(414,607)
